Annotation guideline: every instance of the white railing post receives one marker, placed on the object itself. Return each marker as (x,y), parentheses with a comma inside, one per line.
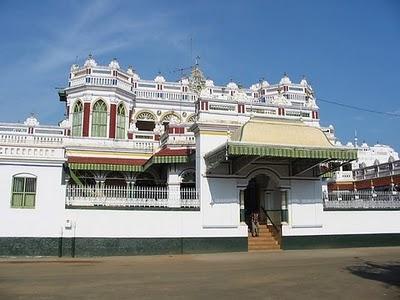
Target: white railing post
(174,197)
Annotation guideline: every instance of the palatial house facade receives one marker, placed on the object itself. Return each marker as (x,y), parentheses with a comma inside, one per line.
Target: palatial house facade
(152,167)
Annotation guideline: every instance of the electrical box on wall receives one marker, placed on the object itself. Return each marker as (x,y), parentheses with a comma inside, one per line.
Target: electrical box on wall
(68,224)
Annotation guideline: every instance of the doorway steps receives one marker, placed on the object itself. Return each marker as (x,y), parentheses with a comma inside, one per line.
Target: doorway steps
(268,239)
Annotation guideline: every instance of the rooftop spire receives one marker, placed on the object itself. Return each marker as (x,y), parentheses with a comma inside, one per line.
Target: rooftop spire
(196,80)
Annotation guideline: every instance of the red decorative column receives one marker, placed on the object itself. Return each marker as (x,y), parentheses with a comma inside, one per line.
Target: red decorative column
(113,115)
(86,117)
(241,108)
(203,105)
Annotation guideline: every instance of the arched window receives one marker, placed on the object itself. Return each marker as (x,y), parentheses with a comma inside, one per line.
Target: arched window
(188,185)
(192,119)
(145,121)
(99,119)
(121,122)
(188,179)
(77,119)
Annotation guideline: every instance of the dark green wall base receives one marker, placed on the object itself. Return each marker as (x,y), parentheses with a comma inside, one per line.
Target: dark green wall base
(340,241)
(29,246)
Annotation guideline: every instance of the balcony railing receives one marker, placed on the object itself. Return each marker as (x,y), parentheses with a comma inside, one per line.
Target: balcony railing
(131,197)
(382,170)
(361,200)
(139,143)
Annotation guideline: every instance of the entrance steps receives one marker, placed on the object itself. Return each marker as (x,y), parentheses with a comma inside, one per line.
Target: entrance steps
(267,240)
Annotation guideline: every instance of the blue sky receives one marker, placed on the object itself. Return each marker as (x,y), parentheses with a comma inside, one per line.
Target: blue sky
(348,50)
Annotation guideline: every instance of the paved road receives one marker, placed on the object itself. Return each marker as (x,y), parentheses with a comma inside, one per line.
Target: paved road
(366,273)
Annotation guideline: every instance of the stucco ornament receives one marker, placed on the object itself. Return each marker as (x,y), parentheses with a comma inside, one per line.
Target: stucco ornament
(159,78)
(173,120)
(197,81)
(65,124)
(311,100)
(131,71)
(158,129)
(90,62)
(232,85)
(114,64)
(240,96)
(74,67)
(31,121)
(280,100)
(132,127)
(285,79)
(311,103)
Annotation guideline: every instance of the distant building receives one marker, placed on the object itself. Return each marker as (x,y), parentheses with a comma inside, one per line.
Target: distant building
(377,168)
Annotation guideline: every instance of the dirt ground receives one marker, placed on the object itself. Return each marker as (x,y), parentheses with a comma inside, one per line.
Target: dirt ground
(357,273)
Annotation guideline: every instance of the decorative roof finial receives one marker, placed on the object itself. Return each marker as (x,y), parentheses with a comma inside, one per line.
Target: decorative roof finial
(31,121)
(90,62)
(197,81)
(114,64)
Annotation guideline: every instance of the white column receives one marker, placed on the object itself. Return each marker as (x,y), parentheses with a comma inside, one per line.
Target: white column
(174,183)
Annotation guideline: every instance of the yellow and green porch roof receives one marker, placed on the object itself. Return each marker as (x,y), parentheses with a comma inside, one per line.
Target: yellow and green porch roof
(279,139)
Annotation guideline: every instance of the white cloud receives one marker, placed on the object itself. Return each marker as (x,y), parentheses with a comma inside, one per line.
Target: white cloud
(94,29)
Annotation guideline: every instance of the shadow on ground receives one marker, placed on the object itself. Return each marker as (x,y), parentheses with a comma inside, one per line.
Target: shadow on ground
(388,273)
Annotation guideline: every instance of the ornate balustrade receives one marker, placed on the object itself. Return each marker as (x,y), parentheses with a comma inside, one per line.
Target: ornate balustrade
(25,139)
(131,197)
(382,170)
(144,144)
(17,143)
(361,200)
(27,152)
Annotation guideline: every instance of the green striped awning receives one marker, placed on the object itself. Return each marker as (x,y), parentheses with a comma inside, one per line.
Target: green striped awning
(170,159)
(105,167)
(291,152)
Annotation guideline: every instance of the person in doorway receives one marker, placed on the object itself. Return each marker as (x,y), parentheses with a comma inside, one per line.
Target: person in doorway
(255,225)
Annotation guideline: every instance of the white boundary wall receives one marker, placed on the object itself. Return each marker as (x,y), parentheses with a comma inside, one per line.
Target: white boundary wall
(307,217)
(49,217)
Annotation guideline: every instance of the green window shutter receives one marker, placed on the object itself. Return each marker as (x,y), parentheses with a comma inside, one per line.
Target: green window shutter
(77,119)
(99,119)
(121,122)
(23,192)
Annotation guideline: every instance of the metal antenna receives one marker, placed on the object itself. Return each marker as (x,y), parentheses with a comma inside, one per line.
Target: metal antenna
(355,138)
(191,49)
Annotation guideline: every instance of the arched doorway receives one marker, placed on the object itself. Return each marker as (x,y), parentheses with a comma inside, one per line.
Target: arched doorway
(259,196)
(264,197)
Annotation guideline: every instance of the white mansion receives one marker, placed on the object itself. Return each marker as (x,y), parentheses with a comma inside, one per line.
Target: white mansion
(151,166)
